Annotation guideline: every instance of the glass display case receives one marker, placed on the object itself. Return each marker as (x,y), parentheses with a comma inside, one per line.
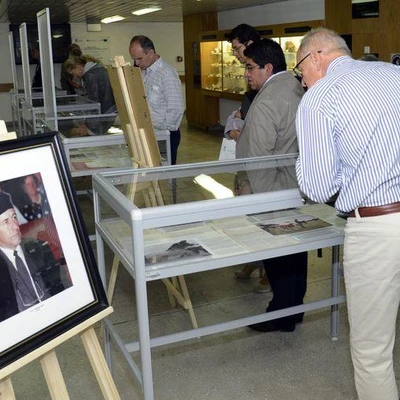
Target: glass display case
(290,45)
(94,143)
(166,222)
(18,98)
(68,106)
(223,75)
(220,69)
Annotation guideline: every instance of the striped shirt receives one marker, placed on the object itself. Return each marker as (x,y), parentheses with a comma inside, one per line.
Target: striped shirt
(348,128)
(164,95)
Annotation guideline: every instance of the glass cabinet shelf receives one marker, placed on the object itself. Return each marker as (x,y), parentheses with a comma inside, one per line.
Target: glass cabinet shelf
(222,74)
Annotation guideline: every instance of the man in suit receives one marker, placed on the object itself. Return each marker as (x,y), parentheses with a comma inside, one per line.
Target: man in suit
(241,36)
(28,272)
(269,128)
(37,78)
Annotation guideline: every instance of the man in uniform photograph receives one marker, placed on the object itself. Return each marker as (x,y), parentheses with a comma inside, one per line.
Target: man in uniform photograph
(29,274)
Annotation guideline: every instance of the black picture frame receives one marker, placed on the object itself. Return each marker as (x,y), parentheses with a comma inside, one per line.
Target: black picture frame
(82,295)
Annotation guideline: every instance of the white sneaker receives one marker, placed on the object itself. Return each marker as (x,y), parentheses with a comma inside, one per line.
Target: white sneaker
(262,286)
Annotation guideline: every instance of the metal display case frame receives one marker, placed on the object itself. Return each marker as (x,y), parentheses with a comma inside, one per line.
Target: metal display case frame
(95,144)
(108,194)
(17,99)
(33,115)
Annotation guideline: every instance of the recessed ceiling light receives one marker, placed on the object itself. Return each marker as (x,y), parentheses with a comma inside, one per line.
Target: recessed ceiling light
(147,10)
(114,18)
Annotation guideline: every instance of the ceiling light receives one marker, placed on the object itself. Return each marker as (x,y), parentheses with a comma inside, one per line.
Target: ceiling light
(114,18)
(147,10)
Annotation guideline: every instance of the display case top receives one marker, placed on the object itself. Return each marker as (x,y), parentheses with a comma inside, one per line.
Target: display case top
(209,211)
(68,100)
(206,181)
(88,125)
(202,190)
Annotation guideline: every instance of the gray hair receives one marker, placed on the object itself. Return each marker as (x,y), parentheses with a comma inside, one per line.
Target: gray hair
(324,39)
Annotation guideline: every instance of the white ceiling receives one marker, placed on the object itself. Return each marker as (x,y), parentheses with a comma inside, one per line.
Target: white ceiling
(18,11)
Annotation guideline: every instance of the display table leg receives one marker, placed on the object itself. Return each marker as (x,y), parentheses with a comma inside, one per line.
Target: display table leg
(335,282)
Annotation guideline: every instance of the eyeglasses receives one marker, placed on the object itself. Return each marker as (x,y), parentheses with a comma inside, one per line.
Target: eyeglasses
(296,70)
(250,67)
(236,49)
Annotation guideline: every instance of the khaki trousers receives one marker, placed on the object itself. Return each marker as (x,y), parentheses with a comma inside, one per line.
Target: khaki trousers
(372,278)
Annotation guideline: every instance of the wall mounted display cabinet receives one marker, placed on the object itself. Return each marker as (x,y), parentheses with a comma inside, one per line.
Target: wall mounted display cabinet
(222,75)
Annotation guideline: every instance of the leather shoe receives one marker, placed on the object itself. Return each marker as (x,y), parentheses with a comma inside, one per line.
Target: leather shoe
(270,326)
(248,269)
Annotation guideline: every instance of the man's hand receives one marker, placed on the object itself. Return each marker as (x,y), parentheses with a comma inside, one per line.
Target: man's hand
(234,134)
(238,114)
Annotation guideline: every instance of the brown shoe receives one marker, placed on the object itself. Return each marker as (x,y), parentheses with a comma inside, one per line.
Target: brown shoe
(263,285)
(247,270)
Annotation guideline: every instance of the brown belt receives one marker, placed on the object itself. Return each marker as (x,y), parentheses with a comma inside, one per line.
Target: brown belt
(378,210)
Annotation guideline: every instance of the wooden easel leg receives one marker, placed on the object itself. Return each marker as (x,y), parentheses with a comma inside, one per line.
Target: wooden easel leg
(99,365)
(6,390)
(188,302)
(175,282)
(112,280)
(53,375)
(176,287)
(168,284)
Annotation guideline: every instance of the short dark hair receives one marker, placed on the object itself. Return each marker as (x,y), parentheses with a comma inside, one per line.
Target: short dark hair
(35,46)
(243,33)
(74,50)
(369,57)
(145,43)
(267,51)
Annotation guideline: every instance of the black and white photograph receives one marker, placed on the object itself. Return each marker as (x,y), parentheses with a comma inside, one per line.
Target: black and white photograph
(295,224)
(174,251)
(32,263)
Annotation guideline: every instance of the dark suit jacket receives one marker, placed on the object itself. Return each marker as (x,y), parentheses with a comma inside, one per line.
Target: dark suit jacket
(269,129)
(37,79)
(43,267)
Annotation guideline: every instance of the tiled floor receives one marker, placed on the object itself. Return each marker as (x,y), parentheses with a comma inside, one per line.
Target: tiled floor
(236,365)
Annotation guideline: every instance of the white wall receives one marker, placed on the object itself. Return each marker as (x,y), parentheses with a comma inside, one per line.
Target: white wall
(275,13)
(167,38)
(269,14)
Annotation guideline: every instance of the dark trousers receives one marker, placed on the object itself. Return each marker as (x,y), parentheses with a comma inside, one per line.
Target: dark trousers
(288,278)
(175,139)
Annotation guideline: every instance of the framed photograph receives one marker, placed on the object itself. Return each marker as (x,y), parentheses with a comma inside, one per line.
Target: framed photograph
(49,281)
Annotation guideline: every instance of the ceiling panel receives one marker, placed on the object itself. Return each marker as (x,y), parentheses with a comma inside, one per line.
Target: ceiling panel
(18,11)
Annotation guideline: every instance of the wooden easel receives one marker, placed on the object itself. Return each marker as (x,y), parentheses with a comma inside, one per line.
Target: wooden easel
(4,134)
(134,114)
(47,355)
(51,368)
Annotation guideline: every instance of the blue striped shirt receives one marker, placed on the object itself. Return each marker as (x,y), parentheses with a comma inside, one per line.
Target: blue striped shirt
(348,128)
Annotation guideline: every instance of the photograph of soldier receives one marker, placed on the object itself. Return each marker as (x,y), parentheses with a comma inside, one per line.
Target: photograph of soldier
(31,269)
